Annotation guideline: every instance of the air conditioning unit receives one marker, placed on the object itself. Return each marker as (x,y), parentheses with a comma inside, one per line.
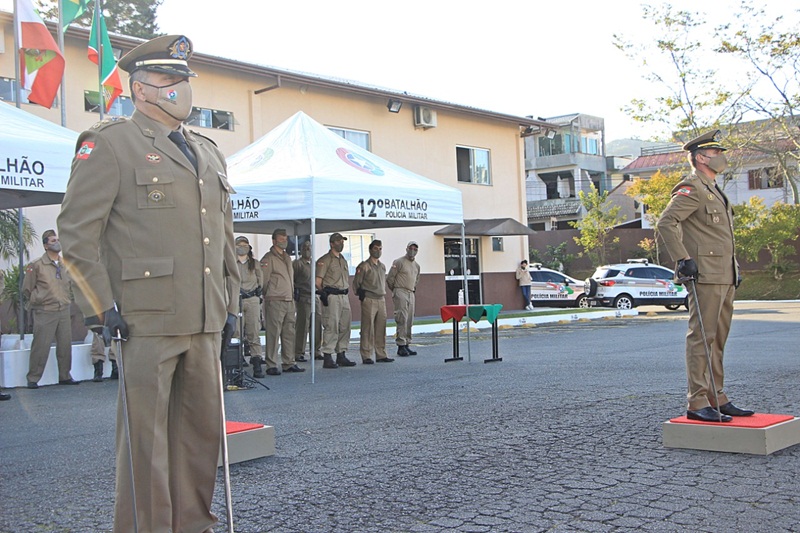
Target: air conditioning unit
(424,117)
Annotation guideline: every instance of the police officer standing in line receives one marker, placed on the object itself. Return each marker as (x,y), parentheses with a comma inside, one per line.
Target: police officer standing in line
(154,198)
(332,281)
(402,280)
(250,294)
(697,229)
(279,312)
(303,297)
(98,353)
(370,285)
(47,286)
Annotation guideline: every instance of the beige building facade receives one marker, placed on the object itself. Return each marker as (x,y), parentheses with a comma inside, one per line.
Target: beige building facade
(477,151)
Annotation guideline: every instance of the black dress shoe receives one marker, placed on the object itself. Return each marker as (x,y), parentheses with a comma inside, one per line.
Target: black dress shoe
(385,360)
(4,396)
(273,372)
(410,351)
(318,357)
(294,368)
(69,381)
(708,414)
(300,358)
(33,385)
(731,410)
(367,362)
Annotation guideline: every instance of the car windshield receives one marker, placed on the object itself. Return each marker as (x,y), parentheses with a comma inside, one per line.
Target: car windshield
(602,273)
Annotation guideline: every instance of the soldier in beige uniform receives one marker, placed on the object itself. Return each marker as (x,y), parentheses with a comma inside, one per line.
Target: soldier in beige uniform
(279,312)
(370,285)
(148,232)
(250,291)
(303,297)
(46,286)
(402,280)
(98,353)
(332,280)
(697,229)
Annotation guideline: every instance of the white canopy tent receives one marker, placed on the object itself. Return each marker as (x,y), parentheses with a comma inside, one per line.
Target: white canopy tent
(303,176)
(35,159)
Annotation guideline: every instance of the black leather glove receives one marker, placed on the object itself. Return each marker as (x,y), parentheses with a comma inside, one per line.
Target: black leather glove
(227,330)
(110,326)
(687,268)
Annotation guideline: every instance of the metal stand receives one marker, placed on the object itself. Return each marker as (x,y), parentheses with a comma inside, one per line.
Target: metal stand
(495,345)
(455,357)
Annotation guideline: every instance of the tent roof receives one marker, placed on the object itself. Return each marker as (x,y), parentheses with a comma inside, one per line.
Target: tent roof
(302,171)
(35,159)
(490,227)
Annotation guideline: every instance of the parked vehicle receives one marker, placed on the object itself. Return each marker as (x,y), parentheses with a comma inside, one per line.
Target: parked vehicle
(551,288)
(635,283)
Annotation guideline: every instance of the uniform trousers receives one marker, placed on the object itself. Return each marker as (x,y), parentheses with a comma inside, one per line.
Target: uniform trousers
(373,328)
(174,410)
(99,350)
(251,315)
(280,322)
(716,307)
(303,327)
(404,308)
(46,326)
(336,318)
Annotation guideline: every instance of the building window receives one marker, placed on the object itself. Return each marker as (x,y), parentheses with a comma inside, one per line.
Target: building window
(210,118)
(497,244)
(8,92)
(359,138)
(356,249)
(554,146)
(764,178)
(121,107)
(472,165)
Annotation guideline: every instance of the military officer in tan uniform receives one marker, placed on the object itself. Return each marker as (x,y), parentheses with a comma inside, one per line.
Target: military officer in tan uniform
(370,285)
(697,229)
(46,287)
(148,232)
(303,297)
(279,312)
(402,280)
(332,279)
(250,299)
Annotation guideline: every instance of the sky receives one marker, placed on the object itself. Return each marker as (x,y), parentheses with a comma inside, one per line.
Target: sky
(520,57)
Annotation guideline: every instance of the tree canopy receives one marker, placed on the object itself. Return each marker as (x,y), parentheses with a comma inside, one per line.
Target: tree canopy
(136,18)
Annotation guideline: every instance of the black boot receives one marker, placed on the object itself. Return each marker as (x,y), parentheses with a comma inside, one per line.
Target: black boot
(329,362)
(402,351)
(341,360)
(98,372)
(258,372)
(114,370)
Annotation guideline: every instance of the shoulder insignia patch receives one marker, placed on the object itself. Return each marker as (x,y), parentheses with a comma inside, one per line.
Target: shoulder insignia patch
(683,191)
(85,150)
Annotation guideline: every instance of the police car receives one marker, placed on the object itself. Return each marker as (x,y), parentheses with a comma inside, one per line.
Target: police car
(551,288)
(635,283)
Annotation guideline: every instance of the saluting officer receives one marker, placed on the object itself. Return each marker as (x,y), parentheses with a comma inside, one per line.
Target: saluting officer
(279,313)
(303,297)
(370,285)
(697,229)
(250,294)
(148,231)
(332,279)
(402,280)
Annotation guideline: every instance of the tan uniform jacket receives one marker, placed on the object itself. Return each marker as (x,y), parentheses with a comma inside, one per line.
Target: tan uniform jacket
(372,278)
(333,271)
(250,279)
(698,223)
(46,286)
(278,276)
(302,278)
(141,228)
(404,274)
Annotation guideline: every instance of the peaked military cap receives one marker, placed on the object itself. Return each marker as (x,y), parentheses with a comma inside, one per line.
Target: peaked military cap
(168,54)
(705,141)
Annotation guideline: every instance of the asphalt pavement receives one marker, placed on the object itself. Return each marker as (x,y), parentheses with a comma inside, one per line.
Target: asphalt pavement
(563,435)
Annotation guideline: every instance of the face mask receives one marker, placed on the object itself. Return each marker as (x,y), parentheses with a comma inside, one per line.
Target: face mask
(411,252)
(55,247)
(242,250)
(338,247)
(718,163)
(375,253)
(306,253)
(282,245)
(174,99)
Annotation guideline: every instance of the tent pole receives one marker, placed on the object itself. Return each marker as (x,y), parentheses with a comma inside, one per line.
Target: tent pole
(20,278)
(466,284)
(312,337)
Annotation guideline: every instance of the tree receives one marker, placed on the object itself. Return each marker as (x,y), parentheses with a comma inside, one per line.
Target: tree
(655,194)
(596,226)
(556,257)
(759,227)
(135,18)
(9,234)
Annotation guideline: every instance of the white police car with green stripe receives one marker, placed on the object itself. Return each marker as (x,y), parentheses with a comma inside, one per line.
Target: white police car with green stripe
(635,283)
(551,288)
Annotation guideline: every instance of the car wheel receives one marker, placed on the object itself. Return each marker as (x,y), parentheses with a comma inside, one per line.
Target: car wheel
(686,303)
(623,301)
(592,284)
(673,307)
(582,302)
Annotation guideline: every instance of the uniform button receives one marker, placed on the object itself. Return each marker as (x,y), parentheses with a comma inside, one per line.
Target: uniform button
(155,179)
(208,270)
(200,182)
(203,211)
(711,253)
(206,240)
(147,273)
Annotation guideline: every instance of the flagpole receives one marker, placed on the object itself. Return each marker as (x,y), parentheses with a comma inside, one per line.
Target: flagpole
(99,39)
(17,64)
(18,101)
(63,51)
